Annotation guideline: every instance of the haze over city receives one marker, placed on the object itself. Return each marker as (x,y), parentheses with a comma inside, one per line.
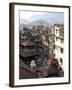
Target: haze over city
(49,17)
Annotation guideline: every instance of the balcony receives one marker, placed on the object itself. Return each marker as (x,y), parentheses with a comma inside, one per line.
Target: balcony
(59,44)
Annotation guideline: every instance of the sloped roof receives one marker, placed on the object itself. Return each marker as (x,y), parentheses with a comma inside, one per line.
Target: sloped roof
(28,43)
(29,53)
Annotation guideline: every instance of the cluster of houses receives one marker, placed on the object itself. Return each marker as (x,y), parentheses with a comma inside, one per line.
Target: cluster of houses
(38,45)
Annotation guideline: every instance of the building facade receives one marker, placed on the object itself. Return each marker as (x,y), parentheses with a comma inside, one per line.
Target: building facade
(59,44)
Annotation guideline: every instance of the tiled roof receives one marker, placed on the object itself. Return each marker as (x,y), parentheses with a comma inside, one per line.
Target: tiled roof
(28,43)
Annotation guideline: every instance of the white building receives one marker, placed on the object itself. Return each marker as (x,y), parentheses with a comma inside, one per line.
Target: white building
(59,45)
(45,40)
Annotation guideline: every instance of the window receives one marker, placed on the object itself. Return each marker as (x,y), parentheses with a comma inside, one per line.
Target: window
(53,46)
(62,41)
(61,60)
(54,55)
(56,39)
(56,30)
(61,50)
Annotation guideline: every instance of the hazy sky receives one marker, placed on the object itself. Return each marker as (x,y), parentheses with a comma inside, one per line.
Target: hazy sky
(50,17)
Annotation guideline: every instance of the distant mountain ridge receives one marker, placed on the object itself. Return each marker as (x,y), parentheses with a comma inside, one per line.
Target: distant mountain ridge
(39,22)
(36,22)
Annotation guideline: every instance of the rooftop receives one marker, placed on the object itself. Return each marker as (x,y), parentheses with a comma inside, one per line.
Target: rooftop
(28,43)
